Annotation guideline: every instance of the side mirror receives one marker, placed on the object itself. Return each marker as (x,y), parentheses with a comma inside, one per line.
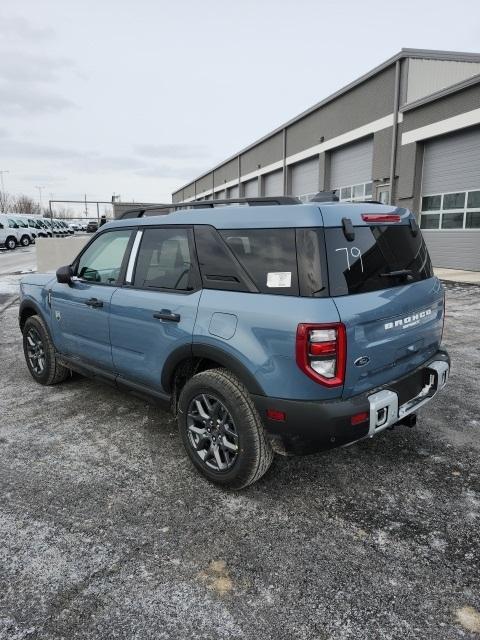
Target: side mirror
(64,275)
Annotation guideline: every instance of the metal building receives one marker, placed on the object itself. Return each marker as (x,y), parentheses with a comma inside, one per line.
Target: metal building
(407,132)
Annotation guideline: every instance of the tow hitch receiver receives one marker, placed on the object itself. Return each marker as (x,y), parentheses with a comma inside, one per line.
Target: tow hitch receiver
(384,408)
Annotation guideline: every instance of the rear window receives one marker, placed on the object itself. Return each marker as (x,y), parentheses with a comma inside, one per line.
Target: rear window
(268,256)
(364,264)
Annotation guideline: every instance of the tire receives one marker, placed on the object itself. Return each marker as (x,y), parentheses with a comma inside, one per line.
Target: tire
(203,395)
(51,372)
(25,241)
(11,243)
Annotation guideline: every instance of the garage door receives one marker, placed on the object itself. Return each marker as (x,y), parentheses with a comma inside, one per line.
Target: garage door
(452,163)
(304,176)
(273,183)
(351,165)
(233,192)
(251,188)
(450,204)
(220,195)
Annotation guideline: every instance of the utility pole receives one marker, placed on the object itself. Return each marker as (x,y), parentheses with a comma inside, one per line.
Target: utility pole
(40,194)
(1,178)
(86,206)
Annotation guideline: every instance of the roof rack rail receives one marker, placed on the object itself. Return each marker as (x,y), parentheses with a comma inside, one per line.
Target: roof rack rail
(164,209)
(325,196)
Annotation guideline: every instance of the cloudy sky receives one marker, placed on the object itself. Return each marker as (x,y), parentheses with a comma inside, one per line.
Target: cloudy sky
(138,97)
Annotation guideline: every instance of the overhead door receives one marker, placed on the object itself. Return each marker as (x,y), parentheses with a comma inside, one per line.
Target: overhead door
(352,164)
(305,177)
(452,163)
(251,188)
(273,183)
(233,192)
(450,204)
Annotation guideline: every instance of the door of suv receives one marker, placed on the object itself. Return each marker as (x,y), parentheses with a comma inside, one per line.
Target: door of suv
(154,313)
(80,311)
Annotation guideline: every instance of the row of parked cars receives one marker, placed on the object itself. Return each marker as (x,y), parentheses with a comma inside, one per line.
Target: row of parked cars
(22,230)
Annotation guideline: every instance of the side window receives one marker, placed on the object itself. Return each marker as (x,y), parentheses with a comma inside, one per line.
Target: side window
(102,261)
(165,260)
(269,257)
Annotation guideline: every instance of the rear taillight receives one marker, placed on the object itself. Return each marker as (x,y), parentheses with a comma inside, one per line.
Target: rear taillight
(321,351)
(378,218)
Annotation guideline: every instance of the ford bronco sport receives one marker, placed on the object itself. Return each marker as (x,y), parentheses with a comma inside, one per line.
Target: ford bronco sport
(277,326)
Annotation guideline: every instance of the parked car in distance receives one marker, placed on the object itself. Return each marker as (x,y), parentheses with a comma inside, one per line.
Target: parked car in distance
(74,226)
(92,226)
(27,236)
(289,327)
(12,229)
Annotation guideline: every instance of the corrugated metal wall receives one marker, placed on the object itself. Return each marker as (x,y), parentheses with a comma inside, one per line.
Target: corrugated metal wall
(454,248)
(273,184)
(305,177)
(428,76)
(452,163)
(352,164)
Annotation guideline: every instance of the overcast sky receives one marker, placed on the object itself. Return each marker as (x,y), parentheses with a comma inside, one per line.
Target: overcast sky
(138,97)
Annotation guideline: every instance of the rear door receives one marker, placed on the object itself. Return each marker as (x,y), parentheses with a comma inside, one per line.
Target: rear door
(383,286)
(154,313)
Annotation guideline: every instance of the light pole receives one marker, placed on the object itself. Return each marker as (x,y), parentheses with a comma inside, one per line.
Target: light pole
(1,178)
(40,194)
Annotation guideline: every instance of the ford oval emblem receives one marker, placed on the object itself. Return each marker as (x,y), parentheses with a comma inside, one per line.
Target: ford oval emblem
(362,361)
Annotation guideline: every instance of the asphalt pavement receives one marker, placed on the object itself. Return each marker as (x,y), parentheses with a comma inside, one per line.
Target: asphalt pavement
(108,532)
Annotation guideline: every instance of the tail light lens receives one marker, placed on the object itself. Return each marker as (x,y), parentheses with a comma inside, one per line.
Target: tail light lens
(321,351)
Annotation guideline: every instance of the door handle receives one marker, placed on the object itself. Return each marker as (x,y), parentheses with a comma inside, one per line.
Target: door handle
(166,314)
(94,302)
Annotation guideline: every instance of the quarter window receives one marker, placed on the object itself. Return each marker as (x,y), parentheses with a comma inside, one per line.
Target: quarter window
(101,262)
(164,260)
(268,256)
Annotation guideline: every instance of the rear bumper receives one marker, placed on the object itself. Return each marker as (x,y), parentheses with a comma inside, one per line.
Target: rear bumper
(312,426)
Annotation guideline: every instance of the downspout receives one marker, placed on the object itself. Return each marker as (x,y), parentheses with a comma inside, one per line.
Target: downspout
(285,186)
(394,130)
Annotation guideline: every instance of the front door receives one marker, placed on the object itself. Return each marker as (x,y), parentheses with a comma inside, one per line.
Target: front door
(154,313)
(80,311)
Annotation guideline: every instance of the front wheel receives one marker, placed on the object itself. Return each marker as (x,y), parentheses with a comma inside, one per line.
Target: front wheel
(25,241)
(222,431)
(40,353)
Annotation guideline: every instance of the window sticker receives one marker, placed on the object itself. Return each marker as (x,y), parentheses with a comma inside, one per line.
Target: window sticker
(277,279)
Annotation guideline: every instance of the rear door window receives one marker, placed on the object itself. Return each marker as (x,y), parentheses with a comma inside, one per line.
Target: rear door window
(365,263)
(165,260)
(268,256)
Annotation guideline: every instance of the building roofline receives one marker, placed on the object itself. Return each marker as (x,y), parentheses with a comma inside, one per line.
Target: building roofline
(454,88)
(432,54)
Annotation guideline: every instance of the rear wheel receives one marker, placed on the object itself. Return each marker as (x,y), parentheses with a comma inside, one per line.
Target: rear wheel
(25,241)
(222,431)
(40,353)
(10,243)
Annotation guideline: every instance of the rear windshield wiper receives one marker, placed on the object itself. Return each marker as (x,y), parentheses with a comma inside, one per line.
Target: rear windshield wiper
(399,272)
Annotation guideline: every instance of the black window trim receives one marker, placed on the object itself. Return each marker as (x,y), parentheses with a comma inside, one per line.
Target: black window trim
(195,273)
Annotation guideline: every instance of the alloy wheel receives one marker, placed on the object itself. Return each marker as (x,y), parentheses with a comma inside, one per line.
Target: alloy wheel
(35,351)
(212,432)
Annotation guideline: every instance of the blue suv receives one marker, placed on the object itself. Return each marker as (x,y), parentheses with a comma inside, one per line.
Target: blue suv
(271,326)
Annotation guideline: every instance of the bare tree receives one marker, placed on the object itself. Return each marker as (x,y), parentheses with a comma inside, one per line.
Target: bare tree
(24,204)
(5,202)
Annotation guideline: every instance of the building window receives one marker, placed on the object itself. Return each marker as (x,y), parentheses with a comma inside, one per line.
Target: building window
(355,192)
(451,210)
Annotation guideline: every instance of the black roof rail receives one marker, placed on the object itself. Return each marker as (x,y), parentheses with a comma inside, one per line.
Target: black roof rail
(164,209)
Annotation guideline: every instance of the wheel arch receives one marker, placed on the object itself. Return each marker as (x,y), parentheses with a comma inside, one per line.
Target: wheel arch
(29,308)
(190,359)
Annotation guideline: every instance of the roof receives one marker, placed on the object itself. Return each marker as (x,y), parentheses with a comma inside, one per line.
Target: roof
(262,217)
(430,54)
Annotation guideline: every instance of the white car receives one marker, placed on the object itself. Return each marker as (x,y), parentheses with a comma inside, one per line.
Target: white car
(11,233)
(27,235)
